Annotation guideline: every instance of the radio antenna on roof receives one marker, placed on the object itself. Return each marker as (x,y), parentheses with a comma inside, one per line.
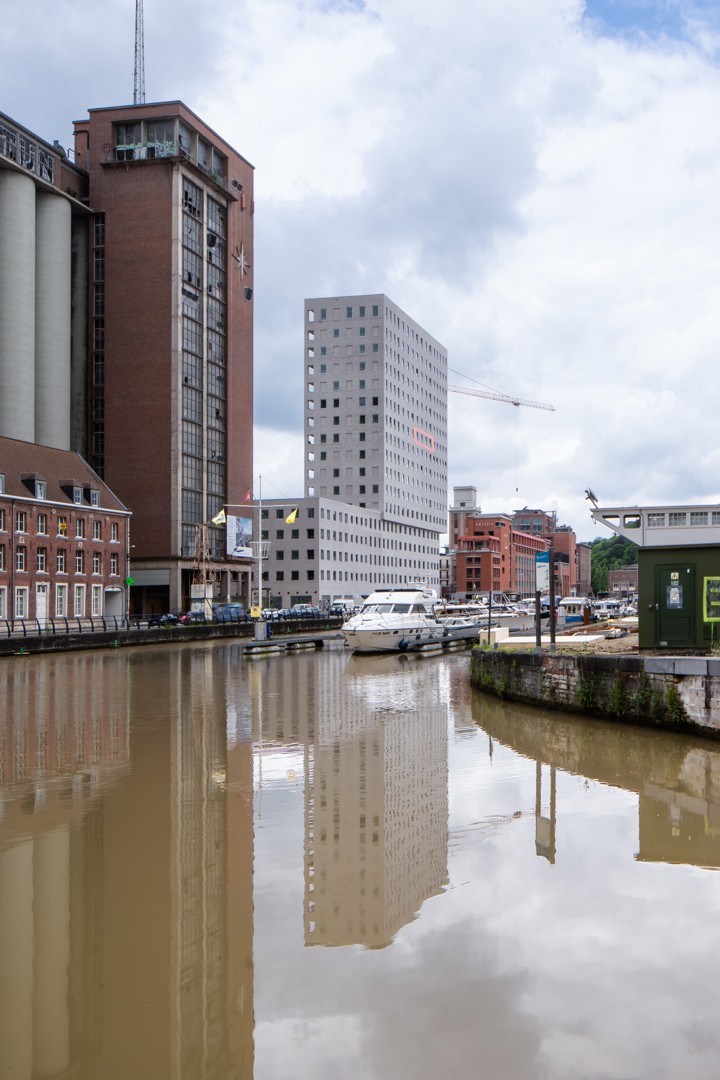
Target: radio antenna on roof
(139,72)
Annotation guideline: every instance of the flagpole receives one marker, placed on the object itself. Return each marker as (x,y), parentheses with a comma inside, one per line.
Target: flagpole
(259,544)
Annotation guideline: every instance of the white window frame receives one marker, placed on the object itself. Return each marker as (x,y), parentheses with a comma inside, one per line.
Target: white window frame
(79,592)
(22,595)
(96,600)
(61,601)
(3,602)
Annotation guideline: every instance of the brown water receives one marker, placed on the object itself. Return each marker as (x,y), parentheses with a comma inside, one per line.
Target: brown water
(320,866)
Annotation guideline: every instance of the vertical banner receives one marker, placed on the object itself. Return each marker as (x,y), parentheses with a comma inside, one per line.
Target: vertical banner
(238,537)
(542,572)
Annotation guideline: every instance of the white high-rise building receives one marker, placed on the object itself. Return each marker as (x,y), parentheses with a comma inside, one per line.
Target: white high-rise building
(375,499)
(376,410)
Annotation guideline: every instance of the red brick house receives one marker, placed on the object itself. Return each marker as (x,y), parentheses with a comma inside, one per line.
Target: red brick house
(64,537)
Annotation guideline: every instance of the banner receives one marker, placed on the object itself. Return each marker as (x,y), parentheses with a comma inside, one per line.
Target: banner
(542,572)
(239,537)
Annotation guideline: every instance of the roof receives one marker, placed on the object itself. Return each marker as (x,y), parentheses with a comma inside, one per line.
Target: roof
(60,469)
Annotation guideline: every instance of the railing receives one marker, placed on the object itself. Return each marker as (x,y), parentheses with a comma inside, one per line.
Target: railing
(64,626)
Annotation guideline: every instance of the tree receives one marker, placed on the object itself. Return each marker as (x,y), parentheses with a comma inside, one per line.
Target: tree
(610,554)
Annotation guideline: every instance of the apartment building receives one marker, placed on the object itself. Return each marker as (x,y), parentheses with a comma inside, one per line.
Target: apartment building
(63,537)
(375,454)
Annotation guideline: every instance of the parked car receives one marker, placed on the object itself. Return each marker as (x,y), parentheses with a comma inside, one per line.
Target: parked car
(230,613)
(189,617)
(163,620)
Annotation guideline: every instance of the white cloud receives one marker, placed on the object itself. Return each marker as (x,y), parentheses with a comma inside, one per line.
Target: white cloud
(540,197)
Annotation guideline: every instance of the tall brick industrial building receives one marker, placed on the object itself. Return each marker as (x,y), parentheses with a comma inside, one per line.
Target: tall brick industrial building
(127,325)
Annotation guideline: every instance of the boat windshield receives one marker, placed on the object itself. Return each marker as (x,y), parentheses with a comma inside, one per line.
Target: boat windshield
(404,608)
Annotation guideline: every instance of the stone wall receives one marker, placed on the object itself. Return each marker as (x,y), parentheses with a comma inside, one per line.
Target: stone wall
(677,693)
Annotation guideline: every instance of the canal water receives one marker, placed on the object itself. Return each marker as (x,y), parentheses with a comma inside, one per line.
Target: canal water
(324,866)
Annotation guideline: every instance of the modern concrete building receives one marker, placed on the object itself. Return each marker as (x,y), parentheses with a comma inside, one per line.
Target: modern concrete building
(376,442)
(44,220)
(334,551)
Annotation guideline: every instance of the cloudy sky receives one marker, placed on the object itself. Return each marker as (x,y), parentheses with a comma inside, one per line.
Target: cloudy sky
(534,181)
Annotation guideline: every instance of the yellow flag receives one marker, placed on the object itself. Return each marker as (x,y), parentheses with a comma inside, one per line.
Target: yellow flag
(291,516)
(219,518)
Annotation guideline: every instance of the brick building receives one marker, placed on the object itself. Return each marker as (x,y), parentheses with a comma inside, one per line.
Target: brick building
(64,539)
(170,410)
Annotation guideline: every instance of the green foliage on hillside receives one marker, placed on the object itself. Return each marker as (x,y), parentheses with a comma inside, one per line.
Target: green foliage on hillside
(610,555)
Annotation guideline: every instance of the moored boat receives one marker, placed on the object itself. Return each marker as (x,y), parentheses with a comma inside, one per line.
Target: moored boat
(402,620)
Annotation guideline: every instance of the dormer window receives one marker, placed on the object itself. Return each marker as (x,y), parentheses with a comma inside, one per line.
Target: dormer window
(77,495)
(40,489)
(2,483)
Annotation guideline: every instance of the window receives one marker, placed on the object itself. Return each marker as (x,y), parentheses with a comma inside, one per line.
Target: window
(77,494)
(655,520)
(699,518)
(294,575)
(3,603)
(20,558)
(60,561)
(279,575)
(79,562)
(97,562)
(114,565)
(79,601)
(61,600)
(2,556)
(677,519)
(96,600)
(20,521)
(62,526)
(42,524)
(97,530)
(294,554)
(80,528)
(2,521)
(348,313)
(42,560)
(40,489)
(21,603)
(375,310)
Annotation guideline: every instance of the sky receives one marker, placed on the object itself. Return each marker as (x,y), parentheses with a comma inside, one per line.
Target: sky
(535,182)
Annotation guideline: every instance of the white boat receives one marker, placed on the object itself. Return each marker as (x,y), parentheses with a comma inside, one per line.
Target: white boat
(402,620)
(509,615)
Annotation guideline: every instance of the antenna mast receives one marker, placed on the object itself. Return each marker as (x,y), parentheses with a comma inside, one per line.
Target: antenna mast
(139,72)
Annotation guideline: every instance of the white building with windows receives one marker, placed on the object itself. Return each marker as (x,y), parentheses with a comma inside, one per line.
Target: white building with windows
(375,457)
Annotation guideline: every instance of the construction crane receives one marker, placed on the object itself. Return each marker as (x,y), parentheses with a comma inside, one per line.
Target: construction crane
(500,397)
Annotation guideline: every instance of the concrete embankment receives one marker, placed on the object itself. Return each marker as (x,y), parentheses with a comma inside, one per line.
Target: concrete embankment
(676,693)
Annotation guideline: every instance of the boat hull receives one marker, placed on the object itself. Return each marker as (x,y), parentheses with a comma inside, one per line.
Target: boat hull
(406,639)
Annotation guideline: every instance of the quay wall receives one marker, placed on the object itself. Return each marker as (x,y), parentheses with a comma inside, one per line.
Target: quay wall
(675,693)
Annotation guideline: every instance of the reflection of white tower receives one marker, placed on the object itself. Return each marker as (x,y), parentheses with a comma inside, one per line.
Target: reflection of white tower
(376,808)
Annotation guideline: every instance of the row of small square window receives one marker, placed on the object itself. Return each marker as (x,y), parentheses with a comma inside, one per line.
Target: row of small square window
(41,561)
(21,526)
(362,312)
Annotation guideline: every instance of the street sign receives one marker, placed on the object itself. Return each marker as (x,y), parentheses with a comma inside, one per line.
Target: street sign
(542,571)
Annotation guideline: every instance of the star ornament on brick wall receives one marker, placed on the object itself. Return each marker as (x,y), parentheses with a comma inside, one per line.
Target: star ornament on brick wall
(240,259)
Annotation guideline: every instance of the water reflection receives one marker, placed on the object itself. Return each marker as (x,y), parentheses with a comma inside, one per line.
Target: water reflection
(213,868)
(677,779)
(125,869)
